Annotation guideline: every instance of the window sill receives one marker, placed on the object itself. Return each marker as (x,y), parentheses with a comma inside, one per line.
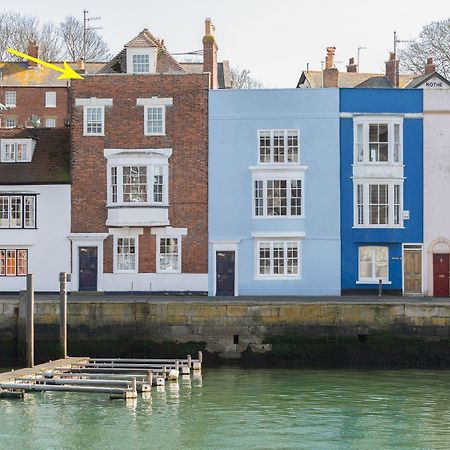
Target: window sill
(136,205)
(374,281)
(169,272)
(154,134)
(48,106)
(277,217)
(378,227)
(11,106)
(278,278)
(118,272)
(93,135)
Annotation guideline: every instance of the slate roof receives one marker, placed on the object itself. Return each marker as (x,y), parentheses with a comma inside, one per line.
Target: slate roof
(353,79)
(17,73)
(419,80)
(223,72)
(51,157)
(165,62)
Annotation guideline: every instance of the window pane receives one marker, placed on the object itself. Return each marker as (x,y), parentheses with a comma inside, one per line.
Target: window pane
(50,99)
(292,258)
(359,143)
(158,184)
(10,263)
(141,63)
(10,98)
(168,254)
(50,123)
(296,197)
(276,198)
(396,204)
(2,262)
(383,132)
(30,211)
(381,262)
(383,152)
(278,258)
(264,146)
(114,184)
(155,122)
(4,211)
(135,184)
(259,201)
(126,254)
(292,142)
(264,258)
(360,203)
(365,262)
(94,120)
(15,212)
(278,146)
(22,262)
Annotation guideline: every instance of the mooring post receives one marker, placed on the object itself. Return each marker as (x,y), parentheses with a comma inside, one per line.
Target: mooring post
(63,314)
(150,378)
(22,328)
(380,287)
(30,320)
(189,361)
(177,365)
(200,356)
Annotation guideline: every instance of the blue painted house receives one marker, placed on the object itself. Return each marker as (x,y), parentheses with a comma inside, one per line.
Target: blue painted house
(274,209)
(381,135)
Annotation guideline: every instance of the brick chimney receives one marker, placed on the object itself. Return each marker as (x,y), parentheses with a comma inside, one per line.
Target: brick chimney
(330,75)
(392,72)
(33,50)
(431,66)
(210,53)
(352,67)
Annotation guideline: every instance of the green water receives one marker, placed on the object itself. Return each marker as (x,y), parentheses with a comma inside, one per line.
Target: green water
(245,409)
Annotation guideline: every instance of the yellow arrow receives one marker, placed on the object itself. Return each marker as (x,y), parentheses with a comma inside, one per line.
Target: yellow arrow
(67,72)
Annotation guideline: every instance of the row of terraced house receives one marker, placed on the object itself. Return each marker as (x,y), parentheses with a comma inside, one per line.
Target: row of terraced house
(153,175)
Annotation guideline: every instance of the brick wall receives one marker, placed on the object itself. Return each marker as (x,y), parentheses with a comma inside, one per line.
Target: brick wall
(186,134)
(31,101)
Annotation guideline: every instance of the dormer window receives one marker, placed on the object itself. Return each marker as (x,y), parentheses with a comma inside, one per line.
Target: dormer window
(141,60)
(16,150)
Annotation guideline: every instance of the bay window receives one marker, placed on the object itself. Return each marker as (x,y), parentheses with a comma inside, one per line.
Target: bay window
(373,264)
(278,197)
(13,262)
(17,211)
(277,258)
(138,184)
(378,204)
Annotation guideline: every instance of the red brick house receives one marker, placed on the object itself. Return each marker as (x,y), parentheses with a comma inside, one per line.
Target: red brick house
(140,171)
(32,96)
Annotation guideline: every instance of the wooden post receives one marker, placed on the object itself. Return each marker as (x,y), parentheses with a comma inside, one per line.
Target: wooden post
(380,287)
(30,320)
(150,378)
(189,361)
(22,329)
(177,365)
(200,356)
(63,314)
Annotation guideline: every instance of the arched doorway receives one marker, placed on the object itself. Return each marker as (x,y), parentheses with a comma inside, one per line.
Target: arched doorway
(439,267)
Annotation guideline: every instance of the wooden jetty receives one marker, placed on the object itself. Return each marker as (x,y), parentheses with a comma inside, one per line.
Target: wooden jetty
(119,377)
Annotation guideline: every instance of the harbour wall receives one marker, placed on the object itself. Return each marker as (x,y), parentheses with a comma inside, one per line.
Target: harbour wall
(290,333)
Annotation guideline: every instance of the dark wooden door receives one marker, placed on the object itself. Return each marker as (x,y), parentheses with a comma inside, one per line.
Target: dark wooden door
(441,275)
(88,268)
(225,273)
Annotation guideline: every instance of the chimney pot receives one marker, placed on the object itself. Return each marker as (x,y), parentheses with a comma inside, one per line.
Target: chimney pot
(352,67)
(392,70)
(210,53)
(329,60)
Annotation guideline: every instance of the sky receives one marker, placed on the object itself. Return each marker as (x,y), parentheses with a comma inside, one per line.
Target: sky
(275,40)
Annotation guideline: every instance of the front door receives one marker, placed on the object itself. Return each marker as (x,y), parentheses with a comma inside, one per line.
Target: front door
(88,268)
(225,273)
(412,270)
(441,274)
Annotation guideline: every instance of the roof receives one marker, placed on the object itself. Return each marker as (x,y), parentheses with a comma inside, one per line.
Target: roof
(17,73)
(165,62)
(419,80)
(352,79)
(223,72)
(51,157)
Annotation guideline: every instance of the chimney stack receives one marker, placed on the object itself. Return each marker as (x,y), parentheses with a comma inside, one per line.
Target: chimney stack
(330,75)
(392,72)
(210,53)
(431,66)
(352,67)
(33,50)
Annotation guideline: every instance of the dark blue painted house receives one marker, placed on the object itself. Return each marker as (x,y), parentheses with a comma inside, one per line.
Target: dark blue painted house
(381,138)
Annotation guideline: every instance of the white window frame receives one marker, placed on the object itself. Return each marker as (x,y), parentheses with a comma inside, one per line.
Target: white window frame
(154,102)
(4,258)
(10,102)
(23,219)
(138,64)
(169,232)
(50,123)
(286,132)
(286,240)
(50,99)
(366,214)
(133,51)
(85,122)
(288,198)
(366,121)
(373,280)
(136,253)
(15,142)
(8,123)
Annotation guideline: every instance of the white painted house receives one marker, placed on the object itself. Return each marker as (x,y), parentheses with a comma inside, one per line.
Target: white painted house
(34,207)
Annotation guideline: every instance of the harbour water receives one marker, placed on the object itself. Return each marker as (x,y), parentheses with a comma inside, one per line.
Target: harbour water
(232,408)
